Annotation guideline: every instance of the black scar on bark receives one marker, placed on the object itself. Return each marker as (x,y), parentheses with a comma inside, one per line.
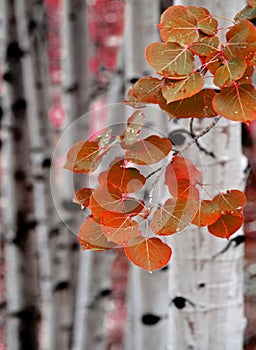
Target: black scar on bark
(61,285)
(19,105)
(14,51)
(105,293)
(134,80)
(179,302)
(9,77)
(150,319)
(46,163)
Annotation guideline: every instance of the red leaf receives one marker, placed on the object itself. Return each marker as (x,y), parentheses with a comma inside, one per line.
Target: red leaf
(181,168)
(81,157)
(119,228)
(207,213)
(148,253)
(178,90)
(82,196)
(149,151)
(237,103)
(108,197)
(128,180)
(170,60)
(134,125)
(146,89)
(174,216)
(91,236)
(226,225)
(179,25)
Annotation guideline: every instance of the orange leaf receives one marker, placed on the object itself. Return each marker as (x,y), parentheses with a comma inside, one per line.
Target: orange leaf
(229,72)
(205,22)
(207,213)
(183,188)
(241,41)
(174,216)
(128,180)
(205,46)
(170,60)
(252,3)
(213,61)
(149,151)
(134,126)
(91,236)
(119,228)
(132,101)
(248,12)
(231,201)
(178,90)
(149,253)
(81,157)
(196,106)
(181,168)
(146,89)
(108,197)
(236,103)
(179,25)
(82,196)
(226,225)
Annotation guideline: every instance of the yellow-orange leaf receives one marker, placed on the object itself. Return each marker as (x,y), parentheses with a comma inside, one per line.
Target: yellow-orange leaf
(170,60)
(148,253)
(178,90)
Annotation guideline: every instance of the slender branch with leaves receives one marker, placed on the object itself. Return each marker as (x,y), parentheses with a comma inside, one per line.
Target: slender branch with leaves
(228,57)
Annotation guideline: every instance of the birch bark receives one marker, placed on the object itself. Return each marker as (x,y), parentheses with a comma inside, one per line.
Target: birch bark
(206,288)
(20,239)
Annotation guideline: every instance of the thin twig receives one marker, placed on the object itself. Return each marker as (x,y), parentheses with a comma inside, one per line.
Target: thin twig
(199,146)
(201,134)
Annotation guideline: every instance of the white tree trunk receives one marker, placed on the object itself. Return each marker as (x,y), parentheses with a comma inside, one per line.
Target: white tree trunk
(206,288)
(20,239)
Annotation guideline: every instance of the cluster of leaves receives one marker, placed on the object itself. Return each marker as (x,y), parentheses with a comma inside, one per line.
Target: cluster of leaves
(116,216)
(106,27)
(190,32)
